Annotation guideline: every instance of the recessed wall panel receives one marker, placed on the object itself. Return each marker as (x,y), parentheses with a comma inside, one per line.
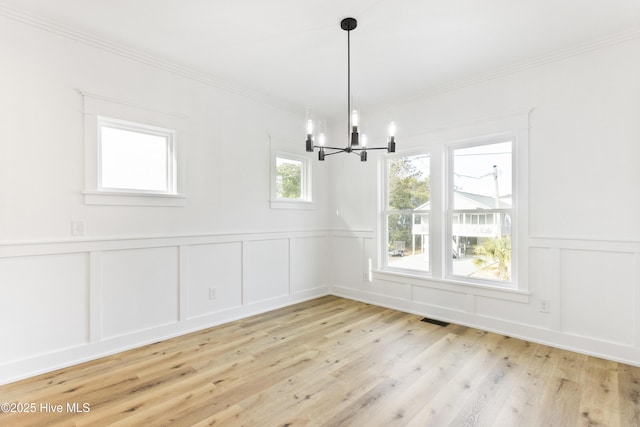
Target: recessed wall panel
(439,298)
(598,295)
(307,270)
(266,270)
(214,277)
(44,304)
(347,262)
(139,289)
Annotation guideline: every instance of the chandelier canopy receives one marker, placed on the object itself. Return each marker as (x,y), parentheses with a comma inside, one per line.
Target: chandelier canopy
(356,143)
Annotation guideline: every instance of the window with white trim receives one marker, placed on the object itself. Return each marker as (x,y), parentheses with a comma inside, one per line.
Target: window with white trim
(135,158)
(479,214)
(406,212)
(132,154)
(457,225)
(291,181)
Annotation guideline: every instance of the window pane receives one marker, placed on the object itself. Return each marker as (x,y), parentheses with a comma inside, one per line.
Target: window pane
(288,178)
(134,160)
(409,183)
(483,257)
(481,241)
(482,176)
(408,241)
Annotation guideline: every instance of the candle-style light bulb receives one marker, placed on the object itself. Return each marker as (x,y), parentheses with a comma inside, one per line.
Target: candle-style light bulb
(391,146)
(363,140)
(321,139)
(354,128)
(309,141)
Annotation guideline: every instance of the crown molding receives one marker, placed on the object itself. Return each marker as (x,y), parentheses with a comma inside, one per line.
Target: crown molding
(530,63)
(139,56)
(207,79)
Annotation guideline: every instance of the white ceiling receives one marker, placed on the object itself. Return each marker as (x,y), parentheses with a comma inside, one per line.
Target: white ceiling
(295,52)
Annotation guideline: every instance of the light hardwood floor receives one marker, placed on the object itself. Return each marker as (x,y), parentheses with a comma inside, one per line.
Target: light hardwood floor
(335,362)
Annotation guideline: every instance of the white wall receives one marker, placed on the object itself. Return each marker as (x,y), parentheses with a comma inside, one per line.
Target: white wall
(583,238)
(139,274)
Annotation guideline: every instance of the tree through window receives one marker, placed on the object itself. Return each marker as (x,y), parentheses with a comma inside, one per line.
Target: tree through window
(407,212)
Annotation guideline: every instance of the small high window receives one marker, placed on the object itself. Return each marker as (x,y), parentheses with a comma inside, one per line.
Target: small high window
(134,157)
(132,154)
(291,181)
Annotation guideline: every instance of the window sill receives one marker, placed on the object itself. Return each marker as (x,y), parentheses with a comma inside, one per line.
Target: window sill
(133,199)
(292,204)
(479,289)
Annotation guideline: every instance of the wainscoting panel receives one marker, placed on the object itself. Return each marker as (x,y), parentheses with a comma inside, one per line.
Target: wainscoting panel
(43,306)
(139,289)
(347,261)
(309,262)
(213,268)
(439,298)
(265,270)
(76,300)
(598,295)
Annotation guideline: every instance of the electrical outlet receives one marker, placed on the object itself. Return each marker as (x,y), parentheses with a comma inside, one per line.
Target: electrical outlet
(544,306)
(212,293)
(77,228)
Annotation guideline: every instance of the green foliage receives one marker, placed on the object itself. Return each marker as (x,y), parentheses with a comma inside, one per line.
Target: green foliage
(288,180)
(408,189)
(495,254)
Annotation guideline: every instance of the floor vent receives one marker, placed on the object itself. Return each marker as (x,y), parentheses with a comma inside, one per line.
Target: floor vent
(434,322)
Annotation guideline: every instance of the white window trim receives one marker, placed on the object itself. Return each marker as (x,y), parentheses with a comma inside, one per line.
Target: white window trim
(435,144)
(306,199)
(97,108)
(448,268)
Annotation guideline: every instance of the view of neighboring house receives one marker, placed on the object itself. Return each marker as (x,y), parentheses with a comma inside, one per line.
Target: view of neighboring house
(476,222)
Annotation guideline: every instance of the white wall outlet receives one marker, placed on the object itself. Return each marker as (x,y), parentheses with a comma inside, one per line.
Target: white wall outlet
(77,228)
(544,306)
(212,293)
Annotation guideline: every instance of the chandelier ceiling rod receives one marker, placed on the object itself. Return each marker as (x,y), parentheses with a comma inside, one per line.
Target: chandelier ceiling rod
(349,24)
(353,140)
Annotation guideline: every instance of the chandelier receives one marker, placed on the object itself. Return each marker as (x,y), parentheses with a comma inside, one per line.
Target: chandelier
(357,144)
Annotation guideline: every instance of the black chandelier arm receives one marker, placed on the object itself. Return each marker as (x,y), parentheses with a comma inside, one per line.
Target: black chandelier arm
(329,148)
(342,150)
(369,148)
(323,148)
(348,149)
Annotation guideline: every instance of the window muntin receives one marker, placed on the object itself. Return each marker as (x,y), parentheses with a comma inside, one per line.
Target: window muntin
(407,213)
(480,211)
(134,157)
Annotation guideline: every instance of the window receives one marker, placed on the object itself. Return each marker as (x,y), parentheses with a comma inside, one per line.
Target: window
(456,226)
(480,210)
(406,213)
(135,158)
(291,181)
(132,154)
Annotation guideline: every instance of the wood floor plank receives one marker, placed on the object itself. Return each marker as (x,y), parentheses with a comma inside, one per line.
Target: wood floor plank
(629,391)
(332,362)
(599,404)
